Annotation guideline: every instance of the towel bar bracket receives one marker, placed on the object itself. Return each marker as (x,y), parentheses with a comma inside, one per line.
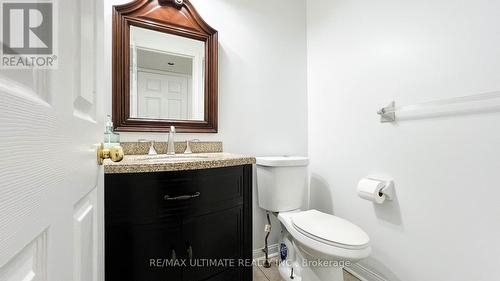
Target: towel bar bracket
(388,113)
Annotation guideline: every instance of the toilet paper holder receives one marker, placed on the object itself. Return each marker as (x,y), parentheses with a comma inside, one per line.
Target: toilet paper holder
(388,189)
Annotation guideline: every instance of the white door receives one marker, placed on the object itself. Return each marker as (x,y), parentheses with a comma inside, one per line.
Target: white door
(162,95)
(49,179)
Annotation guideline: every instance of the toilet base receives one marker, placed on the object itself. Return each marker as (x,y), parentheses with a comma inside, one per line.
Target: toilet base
(298,268)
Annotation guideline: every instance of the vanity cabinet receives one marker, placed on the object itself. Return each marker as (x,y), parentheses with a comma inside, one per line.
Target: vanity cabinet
(185,218)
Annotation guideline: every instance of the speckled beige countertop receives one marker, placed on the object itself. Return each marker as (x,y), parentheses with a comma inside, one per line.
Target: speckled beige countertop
(178,162)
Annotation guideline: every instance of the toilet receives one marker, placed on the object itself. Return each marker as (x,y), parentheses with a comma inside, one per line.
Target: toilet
(314,246)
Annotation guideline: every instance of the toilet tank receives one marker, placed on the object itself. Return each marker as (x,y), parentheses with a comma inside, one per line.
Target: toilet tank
(282,182)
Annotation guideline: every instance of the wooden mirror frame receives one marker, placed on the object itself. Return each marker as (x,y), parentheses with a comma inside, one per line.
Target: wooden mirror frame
(177,17)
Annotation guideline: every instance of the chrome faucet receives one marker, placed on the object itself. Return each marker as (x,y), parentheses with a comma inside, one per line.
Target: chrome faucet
(171,142)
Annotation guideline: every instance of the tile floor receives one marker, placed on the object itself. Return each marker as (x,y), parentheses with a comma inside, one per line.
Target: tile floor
(261,273)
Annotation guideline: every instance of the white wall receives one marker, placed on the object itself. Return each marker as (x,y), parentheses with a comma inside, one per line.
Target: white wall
(262,79)
(444,224)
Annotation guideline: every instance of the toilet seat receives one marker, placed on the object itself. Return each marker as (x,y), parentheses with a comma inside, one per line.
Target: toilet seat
(317,245)
(330,229)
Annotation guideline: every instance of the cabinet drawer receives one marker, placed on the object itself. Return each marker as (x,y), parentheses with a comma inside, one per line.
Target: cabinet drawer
(147,198)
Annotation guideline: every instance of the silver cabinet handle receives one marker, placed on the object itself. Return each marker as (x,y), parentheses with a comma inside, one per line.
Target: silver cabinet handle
(190,252)
(174,256)
(182,197)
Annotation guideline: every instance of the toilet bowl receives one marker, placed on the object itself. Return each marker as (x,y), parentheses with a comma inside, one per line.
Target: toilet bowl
(314,246)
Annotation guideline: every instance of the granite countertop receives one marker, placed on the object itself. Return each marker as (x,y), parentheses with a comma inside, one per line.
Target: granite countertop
(178,162)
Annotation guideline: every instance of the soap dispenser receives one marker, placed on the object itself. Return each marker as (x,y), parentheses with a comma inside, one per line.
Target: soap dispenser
(111,138)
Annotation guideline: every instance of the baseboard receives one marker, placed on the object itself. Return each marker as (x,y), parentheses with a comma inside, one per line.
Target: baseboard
(273,251)
(357,270)
(363,273)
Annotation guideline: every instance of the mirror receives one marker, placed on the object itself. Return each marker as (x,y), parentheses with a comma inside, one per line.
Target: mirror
(166,75)
(164,68)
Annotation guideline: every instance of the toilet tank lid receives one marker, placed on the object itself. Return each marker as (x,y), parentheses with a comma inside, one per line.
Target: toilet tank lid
(282,161)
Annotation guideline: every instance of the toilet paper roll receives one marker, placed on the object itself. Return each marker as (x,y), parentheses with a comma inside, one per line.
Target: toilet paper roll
(370,190)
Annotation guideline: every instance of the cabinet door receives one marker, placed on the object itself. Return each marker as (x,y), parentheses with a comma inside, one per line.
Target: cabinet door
(216,237)
(143,253)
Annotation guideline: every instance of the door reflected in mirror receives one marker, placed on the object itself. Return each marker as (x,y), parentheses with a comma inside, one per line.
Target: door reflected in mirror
(167,76)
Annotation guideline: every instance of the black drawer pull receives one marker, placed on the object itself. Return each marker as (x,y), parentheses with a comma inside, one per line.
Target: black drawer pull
(182,197)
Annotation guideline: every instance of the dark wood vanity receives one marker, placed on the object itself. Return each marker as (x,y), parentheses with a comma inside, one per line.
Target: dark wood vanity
(184,219)
(164,219)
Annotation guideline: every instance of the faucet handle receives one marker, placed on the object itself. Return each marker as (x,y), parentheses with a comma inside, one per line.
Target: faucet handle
(152,150)
(188,146)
